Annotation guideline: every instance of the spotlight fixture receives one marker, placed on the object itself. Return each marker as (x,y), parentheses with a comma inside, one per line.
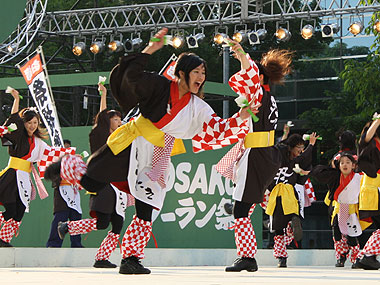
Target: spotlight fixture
(219,38)
(356,28)
(255,37)
(97,47)
(177,41)
(78,48)
(240,36)
(133,44)
(194,41)
(328,30)
(307,31)
(115,46)
(283,34)
(376,26)
(11,48)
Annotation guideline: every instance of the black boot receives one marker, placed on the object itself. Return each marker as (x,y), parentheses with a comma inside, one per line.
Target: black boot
(132,265)
(296,227)
(369,262)
(243,263)
(104,264)
(356,264)
(5,244)
(228,208)
(62,229)
(340,262)
(282,262)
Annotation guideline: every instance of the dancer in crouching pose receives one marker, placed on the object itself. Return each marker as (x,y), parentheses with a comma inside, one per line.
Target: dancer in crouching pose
(140,150)
(254,161)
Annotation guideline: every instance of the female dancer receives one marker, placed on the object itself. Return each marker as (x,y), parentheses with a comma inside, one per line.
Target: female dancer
(25,146)
(369,163)
(140,150)
(106,206)
(254,161)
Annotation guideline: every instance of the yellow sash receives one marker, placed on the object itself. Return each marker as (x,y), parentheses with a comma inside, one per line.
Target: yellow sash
(369,193)
(17,163)
(259,139)
(123,136)
(288,199)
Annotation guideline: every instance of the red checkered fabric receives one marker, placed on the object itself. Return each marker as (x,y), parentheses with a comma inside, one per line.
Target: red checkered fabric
(225,166)
(136,238)
(343,215)
(354,252)
(52,154)
(160,161)
(341,247)
(288,235)
(72,169)
(251,210)
(9,230)
(3,130)
(279,247)
(309,190)
(2,220)
(372,247)
(130,200)
(81,227)
(245,238)
(108,245)
(218,133)
(265,201)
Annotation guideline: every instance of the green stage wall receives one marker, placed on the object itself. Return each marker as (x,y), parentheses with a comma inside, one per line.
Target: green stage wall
(192,216)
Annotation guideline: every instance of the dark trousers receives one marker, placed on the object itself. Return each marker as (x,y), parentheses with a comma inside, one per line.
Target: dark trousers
(63,216)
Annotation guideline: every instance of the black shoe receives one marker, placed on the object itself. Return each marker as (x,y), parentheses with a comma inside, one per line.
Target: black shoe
(132,265)
(5,244)
(104,264)
(356,264)
(297,228)
(340,262)
(228,208)
(243,263)
(282,262)
(62,229)
(369,262)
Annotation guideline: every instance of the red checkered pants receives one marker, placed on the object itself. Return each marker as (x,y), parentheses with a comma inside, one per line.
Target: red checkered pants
(9,230)
(108,245)
(245,238)
(136,238)
(354,252)
(81,226)
(2,220)
(279,248)
(288,235)
(341,247)
(372,247)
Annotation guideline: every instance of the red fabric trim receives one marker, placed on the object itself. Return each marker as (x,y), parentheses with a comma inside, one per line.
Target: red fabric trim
(177,105)
(343,183)
(266,87)
(122,186)
(32,145)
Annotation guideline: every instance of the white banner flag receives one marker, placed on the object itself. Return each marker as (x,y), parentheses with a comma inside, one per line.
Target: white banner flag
(35,77)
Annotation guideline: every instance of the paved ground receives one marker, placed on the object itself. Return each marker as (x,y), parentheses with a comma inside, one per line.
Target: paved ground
(189,275)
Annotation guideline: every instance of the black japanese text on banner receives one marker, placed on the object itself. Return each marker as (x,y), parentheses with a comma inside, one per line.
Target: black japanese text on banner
(35,78)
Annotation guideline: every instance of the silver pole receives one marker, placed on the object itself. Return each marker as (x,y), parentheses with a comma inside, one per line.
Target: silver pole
(226,76)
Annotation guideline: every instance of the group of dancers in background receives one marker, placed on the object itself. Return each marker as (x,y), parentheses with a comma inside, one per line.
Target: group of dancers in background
(129,163)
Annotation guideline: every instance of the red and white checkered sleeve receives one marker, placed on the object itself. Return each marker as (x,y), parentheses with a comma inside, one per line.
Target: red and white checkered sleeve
(3,130)
(310,191)
(218,133)
(52,154)
(246,82)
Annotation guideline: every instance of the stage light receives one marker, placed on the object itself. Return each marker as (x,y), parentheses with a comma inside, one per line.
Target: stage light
(240,36)
(283,34)
(255,37)
(78,48)
(194,41)
(97,47)
(307,31)
(356,28)
(11,48)
(177,41)
(328,30)
(133,44)
(115,46)
(219,38)
(376,26)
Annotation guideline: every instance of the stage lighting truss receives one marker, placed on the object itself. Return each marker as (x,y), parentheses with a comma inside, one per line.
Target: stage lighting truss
(328,30)
(221,35)
(356,26)
(195,38)
(97,45)
(79,46)
(376,26)
(282,34)
(256,36)
(116,45)
(307,30)
(134,43)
